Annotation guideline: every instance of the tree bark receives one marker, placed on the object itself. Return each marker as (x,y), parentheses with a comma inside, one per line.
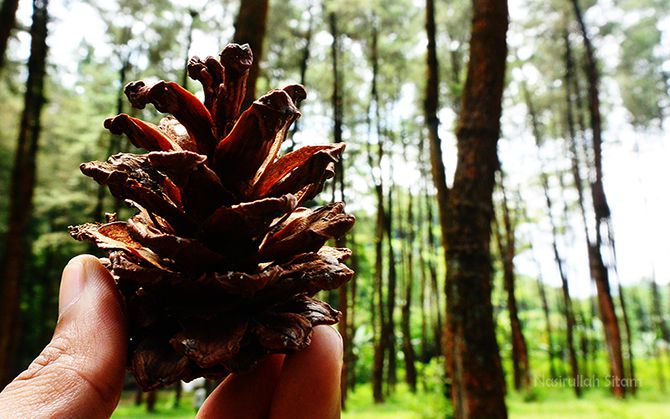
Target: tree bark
(18,238)
(7,21)
(478,388)
(505,237)
(250,26)
(599,271)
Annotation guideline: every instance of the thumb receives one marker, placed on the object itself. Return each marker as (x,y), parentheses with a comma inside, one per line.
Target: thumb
(80,373)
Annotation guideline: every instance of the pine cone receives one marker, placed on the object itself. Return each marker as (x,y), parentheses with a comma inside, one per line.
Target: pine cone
(220,264)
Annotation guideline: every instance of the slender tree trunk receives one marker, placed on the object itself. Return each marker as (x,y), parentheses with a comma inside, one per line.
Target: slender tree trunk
(431,106)
(151,401)
(657,312)
(571,89)
(177,394)
(304,61)
(378,305)
(424,306)
(7,20)
(391,293)
(438,328)
(350,356)
(632,384)
(660,327)
(336,101)
(599,271)
(189,39)
(407,348)
(250,26)
(547,321)
(506,241)
(139,397)
(478,389)
(114,145)
(18,243)
(567,300)
(343,300)
(429,279)
(584,342)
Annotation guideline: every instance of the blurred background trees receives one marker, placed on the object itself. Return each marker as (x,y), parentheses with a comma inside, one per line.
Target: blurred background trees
(526,275)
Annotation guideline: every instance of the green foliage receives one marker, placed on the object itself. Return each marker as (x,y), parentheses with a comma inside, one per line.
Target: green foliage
(643,84)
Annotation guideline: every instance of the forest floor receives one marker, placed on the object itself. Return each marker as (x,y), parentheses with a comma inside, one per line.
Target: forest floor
(545,403)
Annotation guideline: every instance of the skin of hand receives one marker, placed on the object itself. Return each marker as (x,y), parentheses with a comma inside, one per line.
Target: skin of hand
(80,372)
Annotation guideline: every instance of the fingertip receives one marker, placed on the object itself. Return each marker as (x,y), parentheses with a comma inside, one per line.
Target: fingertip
(309,386)
(328,342)
(246,395)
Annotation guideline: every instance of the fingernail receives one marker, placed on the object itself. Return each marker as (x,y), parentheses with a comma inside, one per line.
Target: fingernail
(72,285)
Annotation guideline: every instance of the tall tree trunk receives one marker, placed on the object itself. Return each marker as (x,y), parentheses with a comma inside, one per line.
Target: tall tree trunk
(571,89)
(660,328)
(391,351)
(407,348)
(114,145)
(657,312)
(177,395)
(570,324)
(375,164)
(424,262)
(304,60)
(584,342)
(428,271)
(478,388)
(189,39)
(629,339)
(598,269)
(431,106)
(7,20)
(424,353)
(151,401)
(547,320)
(18,243)
(438,328)
(250,27)
(350,356)
(336,101)
(505,237)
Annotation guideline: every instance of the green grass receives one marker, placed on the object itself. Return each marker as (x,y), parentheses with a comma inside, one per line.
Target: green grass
(596,404)
(550,403)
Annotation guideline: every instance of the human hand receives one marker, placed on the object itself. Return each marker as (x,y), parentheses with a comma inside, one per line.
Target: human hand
(80,373)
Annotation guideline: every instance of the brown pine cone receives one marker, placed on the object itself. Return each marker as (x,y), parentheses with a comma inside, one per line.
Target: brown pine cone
(220,264)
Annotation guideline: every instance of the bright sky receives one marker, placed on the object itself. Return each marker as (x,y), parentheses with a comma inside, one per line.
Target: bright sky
(635,182)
